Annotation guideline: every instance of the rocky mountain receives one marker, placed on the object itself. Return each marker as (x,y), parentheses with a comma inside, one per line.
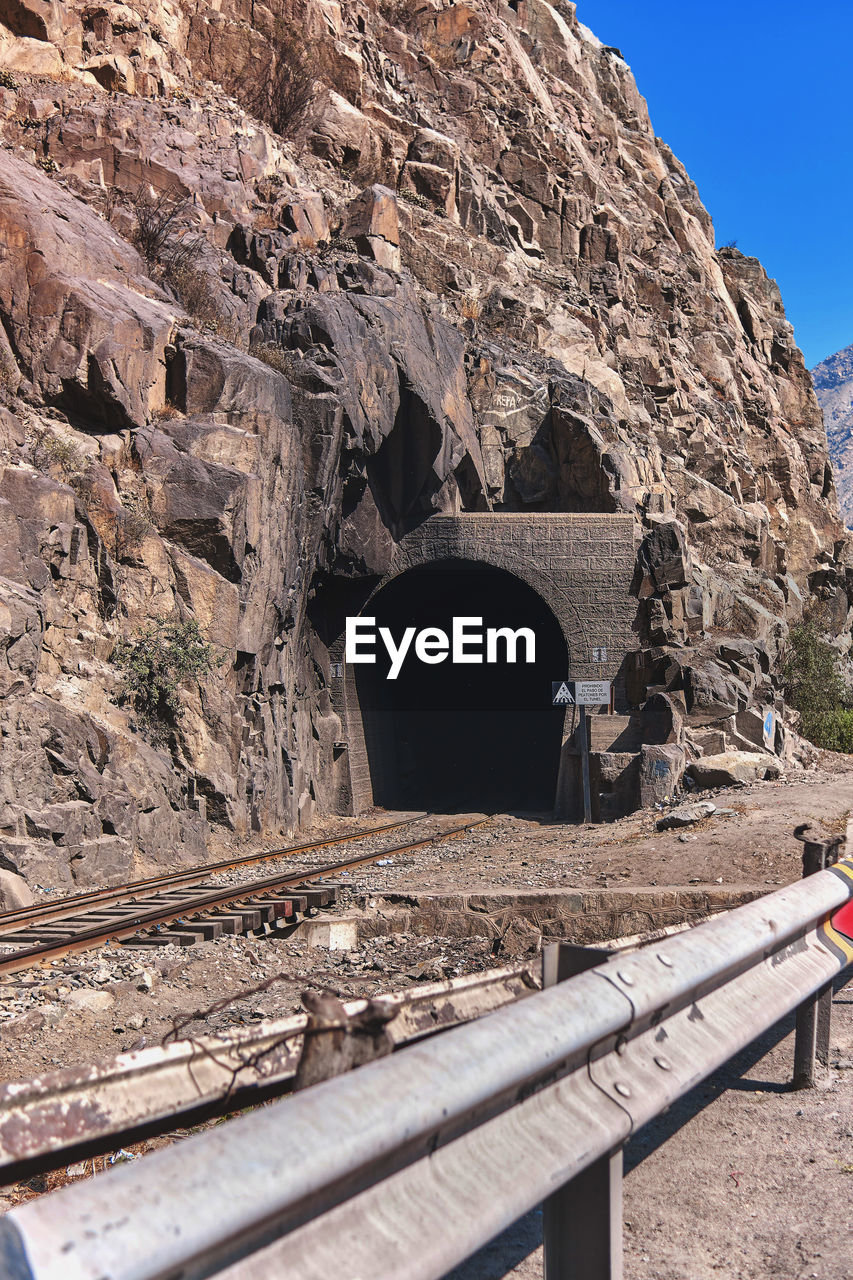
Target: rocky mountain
(244,247)
(833,381)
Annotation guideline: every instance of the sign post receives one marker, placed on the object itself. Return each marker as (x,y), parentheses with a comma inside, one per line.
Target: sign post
(584,745)
(583,694)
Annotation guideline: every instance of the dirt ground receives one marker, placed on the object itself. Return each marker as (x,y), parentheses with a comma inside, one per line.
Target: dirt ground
(752,1186)
(749,841)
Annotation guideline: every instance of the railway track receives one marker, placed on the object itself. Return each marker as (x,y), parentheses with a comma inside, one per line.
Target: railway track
(179,909)
(41,911)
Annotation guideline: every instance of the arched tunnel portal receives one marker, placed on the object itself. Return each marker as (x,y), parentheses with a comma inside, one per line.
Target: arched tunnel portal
(478,737)
(464,736)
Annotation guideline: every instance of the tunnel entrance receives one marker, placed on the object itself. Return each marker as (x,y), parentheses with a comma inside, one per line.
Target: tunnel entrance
(461,738)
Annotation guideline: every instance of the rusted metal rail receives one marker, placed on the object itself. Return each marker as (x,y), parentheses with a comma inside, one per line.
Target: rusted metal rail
(200,914)
(79,1112)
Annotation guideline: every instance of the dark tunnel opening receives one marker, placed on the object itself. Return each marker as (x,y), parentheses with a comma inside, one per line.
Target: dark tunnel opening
(461,738)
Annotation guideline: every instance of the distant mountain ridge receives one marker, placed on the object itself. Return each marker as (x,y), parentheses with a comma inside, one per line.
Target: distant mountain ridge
(833,380)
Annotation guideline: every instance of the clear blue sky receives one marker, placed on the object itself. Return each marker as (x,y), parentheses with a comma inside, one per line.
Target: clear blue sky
(756,100)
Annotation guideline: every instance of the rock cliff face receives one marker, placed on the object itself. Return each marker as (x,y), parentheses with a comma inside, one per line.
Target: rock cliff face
(237,366)
(833,381)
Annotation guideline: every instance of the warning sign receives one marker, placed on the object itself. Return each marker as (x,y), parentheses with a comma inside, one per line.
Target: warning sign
(583,693)
(842,921)
(592,693)
(837,931)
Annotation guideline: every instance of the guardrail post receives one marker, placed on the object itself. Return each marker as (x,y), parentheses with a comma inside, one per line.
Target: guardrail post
(582,1222)
(814,1016)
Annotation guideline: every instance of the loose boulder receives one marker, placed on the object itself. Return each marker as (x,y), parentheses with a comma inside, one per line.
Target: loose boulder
(14,892)
(732,768)
(91,1001)
(686,815)
(661,773)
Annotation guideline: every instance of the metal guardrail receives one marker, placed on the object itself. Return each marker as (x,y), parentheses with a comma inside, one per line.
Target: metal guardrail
(402,1169)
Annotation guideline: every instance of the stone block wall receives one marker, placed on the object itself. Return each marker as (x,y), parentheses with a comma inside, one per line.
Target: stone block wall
(582,567)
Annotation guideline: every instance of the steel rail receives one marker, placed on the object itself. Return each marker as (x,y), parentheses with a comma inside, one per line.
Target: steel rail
(409,1164)
(85,939)
(41,911)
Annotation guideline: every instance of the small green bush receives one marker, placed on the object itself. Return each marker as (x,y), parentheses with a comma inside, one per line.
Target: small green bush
(814,686)
(157,661)
(836,731)
(61,457)
(8,81)
(338,244)
(417,199)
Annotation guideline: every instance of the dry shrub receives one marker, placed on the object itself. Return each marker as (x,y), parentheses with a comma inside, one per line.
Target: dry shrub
(110,200)
(280,92)
(10,374)
(61,458)
(132,527)
(278,358)
(174,254)
(122,532)
(161,235)
(470,307)
(265,221)
(192,288)
(397,12)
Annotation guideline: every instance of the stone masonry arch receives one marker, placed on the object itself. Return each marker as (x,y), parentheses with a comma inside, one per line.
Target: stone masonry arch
(581,566)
